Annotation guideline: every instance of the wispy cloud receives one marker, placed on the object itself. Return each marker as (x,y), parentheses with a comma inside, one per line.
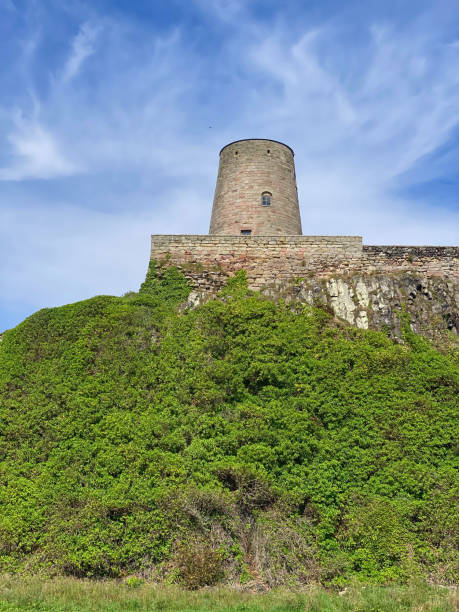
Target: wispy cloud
(402,105)
(358,133)
(35,154)
(83,45)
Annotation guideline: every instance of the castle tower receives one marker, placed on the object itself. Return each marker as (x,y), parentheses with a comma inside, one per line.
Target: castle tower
(256,191)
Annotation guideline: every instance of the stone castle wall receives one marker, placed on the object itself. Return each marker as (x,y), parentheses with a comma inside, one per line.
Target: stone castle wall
(269,259)
(247,169)
(364,285)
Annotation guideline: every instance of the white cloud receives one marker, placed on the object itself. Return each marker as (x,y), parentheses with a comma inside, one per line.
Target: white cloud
(356,133)
(35,154)
(83,45)
(66,252)
(400,108)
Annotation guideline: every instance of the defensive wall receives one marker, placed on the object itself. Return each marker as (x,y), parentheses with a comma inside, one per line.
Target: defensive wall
(269,259)
(367,286)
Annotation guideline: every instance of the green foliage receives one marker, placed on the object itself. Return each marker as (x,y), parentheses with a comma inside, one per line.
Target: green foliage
(133,582)
(163,287)
(137,435)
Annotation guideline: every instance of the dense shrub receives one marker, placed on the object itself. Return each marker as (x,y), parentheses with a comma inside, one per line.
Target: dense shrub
(130,427)
(200,562)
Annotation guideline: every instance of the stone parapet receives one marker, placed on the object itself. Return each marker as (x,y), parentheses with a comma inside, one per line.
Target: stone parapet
(265,258)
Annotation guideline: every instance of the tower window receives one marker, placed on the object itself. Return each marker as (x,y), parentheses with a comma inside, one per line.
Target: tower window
(246,232)
(266,198)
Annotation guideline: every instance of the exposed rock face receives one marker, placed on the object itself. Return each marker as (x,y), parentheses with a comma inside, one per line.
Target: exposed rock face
(376,301)
(373,301)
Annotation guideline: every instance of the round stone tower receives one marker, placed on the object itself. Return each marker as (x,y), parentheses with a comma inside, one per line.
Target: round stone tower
(256,191)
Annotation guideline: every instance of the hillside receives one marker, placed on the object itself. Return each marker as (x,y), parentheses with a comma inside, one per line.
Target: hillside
(238,441)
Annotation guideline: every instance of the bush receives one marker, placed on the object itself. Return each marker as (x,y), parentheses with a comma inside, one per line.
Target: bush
(199,562)
(128,424)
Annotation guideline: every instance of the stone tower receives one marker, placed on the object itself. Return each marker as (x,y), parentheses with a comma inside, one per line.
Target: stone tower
(256,191)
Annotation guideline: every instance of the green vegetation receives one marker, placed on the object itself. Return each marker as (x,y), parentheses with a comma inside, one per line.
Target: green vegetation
(238,442)
(71,595)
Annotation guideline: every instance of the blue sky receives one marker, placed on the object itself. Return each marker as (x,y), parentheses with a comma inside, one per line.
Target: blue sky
(112,114)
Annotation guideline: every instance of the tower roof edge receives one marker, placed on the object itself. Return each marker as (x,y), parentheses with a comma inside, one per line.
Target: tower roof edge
(266,139)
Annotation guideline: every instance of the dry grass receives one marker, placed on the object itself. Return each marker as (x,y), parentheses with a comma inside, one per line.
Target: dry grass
(72,595)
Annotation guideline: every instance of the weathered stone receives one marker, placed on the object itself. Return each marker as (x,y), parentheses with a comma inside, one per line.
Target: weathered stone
(364,285)
(248,170)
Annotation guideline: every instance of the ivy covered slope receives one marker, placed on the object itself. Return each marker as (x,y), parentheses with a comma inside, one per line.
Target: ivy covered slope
(238,441)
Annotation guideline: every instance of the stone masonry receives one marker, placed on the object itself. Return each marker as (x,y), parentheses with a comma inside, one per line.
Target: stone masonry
(364,285)
(247,170)
(270,259)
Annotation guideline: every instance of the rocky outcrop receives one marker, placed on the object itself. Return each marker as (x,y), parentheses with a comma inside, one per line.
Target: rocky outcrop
(365,301)
(373,301)
(376,301)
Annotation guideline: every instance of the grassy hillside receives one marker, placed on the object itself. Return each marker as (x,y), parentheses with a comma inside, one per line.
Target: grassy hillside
(238,441)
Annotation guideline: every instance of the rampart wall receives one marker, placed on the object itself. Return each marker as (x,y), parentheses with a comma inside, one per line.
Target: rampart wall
(365,285)
(269,259)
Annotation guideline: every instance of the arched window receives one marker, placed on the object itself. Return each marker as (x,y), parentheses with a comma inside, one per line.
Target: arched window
(266,198)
